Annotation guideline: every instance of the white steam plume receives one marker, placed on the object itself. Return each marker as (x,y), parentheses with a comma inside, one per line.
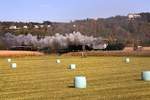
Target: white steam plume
(54,42)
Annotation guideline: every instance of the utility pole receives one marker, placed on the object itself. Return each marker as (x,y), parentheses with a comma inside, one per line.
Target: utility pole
(83,49)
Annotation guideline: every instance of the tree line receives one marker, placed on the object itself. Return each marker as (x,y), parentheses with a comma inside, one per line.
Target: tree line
(117,28)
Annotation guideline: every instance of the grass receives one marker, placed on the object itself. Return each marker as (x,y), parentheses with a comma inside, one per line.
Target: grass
(40,78)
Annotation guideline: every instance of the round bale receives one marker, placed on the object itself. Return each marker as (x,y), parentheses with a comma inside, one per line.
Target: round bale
(58,61)
(72,66)
(13,65)
(9,60)
(80,82)
(146,75)
(127,60)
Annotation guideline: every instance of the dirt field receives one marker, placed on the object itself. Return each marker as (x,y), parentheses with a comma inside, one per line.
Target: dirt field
(128,51)
(40,78)
(6,53)
(110,53)
(131,49)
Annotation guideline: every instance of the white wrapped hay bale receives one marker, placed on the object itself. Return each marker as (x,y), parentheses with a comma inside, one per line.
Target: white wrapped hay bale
(127,60)
(9,60)
(80,82)
(146,75)
(72,66)
(13,65)
(57,61)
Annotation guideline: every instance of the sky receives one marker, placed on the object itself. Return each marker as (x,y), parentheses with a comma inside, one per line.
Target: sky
(67,10)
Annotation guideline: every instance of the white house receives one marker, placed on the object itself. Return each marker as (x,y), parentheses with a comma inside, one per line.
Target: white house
(36,26)
(74,25)
(48,26)
(133,16)
(25,27)
(13,27)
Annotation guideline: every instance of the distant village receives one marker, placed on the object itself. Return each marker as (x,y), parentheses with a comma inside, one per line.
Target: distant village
(14,27)
(131,16)
(36,28)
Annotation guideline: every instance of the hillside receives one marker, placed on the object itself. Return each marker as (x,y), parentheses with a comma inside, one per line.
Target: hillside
(114,28)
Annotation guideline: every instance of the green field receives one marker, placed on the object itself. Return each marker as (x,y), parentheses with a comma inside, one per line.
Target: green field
(40,78)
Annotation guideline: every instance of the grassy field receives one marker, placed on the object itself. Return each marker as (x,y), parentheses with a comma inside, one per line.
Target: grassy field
(40,78)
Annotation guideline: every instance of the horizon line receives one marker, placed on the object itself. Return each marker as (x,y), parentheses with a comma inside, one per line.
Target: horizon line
(72,20)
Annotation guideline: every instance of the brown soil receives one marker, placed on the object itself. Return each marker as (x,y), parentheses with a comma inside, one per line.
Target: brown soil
(7,53)
(126,52)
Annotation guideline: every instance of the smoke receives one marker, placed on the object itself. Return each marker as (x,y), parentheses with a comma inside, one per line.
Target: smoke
(54,42)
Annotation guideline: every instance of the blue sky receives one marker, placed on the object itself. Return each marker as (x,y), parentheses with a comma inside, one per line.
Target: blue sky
(66,10)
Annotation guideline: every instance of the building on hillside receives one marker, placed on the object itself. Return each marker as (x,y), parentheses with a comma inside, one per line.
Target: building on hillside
(133,16)
(48,26)
(13,27)
(36,26)
(25,27)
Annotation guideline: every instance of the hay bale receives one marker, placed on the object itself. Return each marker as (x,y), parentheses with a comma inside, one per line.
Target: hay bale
(13,65)
(72,66)
(80,82)
(9,60)
(57,61)
(127,60)
(145,75)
